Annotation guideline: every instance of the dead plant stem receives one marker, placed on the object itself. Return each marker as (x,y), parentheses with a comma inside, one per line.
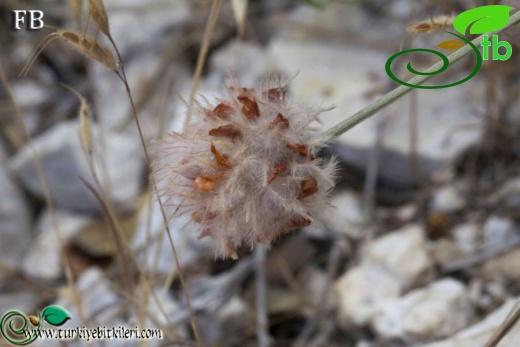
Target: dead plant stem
(201,60)
(193,318)
(261,297)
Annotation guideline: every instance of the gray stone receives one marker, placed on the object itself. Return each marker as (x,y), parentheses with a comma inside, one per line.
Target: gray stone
(15,220)
(389,265)
(346,214)
(446,252)
(479,334)
(43,259)
(220,328)
(439,310)
(97,298)
(22,301)
(64,164)
(508,194)
(316,290)
(139,25)
(468,237)
(32,95)
(449,199)
(403,254)
(499,232)
(361,290)
(505,265)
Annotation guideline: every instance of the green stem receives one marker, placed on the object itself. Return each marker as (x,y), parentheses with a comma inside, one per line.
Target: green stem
(400,91)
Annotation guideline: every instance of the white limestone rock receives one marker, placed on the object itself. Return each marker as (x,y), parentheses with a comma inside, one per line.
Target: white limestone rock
(361,290)
(402,254)
(439,310)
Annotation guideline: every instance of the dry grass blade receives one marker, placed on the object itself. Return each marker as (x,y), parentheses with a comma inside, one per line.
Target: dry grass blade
(98,14)
(85,126)
(504,328)
(240,11)
(85,45)
(208,33)
(92,49)
(37,52)
(85,131)
(122,75)
(193,318)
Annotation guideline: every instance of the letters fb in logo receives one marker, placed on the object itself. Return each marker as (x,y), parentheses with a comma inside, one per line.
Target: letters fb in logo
(32,19)
(479,20)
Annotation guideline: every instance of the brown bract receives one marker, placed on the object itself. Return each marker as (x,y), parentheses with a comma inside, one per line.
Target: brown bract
(280,121)
(223,161)
(222,111)
(278,169)
(301,149)
(250,108)
(307,188)
(228,130)
(275,94)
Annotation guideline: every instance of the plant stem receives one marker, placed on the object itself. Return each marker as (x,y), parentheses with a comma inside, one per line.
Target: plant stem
(261,297)
(201,60)
(124,80)
(400,91)
(193,318)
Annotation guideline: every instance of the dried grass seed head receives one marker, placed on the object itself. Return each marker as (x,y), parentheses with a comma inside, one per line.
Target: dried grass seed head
(246,169)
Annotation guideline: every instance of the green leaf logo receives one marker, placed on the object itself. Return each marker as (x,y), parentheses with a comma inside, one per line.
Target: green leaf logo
(483,19)
(55,315)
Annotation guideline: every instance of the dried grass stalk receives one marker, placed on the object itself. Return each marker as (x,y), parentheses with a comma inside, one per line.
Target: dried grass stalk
(99,16)
(85,123)
(89,47)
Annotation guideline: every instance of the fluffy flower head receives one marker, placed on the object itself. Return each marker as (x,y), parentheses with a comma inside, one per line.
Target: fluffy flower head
(246,169)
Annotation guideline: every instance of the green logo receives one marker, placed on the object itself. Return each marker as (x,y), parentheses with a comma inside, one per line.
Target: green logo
(14,325)
(480,20)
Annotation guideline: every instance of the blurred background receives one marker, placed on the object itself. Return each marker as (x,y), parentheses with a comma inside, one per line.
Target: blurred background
(422,247)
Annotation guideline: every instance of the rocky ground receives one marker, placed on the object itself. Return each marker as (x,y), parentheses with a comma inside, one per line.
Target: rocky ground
(421,247)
